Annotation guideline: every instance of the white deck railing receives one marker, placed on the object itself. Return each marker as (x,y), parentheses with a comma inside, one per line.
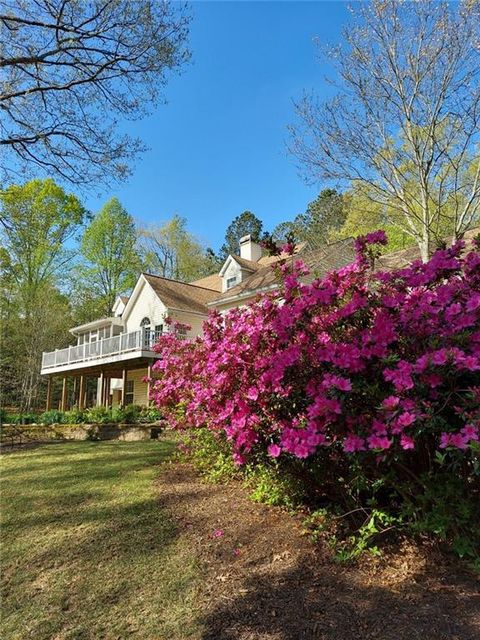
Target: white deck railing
(141,340)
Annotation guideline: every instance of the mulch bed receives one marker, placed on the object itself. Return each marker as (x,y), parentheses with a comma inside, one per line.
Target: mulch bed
(265,580)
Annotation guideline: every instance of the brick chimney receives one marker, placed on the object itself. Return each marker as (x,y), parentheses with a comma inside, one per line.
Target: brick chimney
(250,250)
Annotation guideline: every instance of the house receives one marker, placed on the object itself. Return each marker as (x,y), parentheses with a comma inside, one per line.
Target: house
(117,352)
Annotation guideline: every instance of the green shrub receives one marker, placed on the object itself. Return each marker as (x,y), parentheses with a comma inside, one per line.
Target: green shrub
(209,453)
(51,417)
(126,415)
(271,485)
(149,415)
(98,415)
(74,416)
(22,418)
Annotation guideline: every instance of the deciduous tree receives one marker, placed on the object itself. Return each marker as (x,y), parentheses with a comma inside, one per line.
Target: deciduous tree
(70,69)
(406,118)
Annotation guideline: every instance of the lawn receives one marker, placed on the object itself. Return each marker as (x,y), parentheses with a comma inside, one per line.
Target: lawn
(87,551)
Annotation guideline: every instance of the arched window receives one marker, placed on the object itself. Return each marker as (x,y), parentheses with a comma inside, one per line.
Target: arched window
(145,323)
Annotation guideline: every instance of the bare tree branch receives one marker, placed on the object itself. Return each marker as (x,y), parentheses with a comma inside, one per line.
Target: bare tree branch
(405,122)
(69,68)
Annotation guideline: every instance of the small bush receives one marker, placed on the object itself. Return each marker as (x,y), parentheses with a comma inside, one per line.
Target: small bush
(270,484)
(51,417)
(74,416)
(99,415)
(149,415)
(209,453)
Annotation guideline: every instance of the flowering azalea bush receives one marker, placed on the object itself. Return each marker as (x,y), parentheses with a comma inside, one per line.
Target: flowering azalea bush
(366,368)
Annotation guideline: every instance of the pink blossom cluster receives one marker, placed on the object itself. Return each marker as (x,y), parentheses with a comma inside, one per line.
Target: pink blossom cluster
(354,362)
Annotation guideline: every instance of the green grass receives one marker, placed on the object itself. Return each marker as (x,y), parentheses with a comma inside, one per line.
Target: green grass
(86,550)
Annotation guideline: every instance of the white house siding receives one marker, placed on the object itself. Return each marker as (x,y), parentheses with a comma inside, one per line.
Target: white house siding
(234,270)
(147,305)
(140,388)
(195,321)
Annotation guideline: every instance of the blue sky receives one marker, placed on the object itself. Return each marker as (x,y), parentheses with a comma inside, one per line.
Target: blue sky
(218,146)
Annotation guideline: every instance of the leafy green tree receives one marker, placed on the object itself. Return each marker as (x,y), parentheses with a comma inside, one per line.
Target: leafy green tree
(362,215)
(111,263)
(171,251)
(246,223)
(39,221)
(323,216)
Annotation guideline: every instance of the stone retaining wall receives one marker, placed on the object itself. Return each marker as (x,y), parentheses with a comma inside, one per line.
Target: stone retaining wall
(16,434)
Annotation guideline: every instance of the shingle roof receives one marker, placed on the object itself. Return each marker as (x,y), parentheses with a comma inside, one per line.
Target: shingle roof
(181,295)
(213,282)
(402,258)
(250,265)
(320,261)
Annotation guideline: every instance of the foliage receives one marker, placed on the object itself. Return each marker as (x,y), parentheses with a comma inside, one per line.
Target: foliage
(108,246)
(209,453)
(130,414)
(71,70)
(169,250)
(271,484)
(51,417)
(405,121)
(362,378)
(38,221)
(244,224)
(323,216)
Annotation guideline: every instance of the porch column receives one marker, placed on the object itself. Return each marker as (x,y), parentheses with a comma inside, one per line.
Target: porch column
(63,405)
(149,374)
(81,393)
(124,387)
(100,384)
(48,405)
(106,396)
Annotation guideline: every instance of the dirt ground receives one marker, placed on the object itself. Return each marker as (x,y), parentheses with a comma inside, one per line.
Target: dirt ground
(265,580)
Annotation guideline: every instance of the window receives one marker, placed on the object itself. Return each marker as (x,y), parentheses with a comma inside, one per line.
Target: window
(231,281)
(129,392)
(145,323)
(182,332)
(158,329)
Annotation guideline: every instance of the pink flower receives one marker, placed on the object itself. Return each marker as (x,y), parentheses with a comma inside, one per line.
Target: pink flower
(379,442)
(407,442)
(274,450)
(470,432)
(218,533)
(391,403)
(353,443)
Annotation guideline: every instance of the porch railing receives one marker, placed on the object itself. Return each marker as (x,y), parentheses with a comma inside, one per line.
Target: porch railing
(140,340)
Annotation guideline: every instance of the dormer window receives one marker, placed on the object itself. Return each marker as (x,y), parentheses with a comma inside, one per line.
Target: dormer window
(231,282)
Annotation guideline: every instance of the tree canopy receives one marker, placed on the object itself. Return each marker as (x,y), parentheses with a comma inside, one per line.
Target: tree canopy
(70,69)
(111,261)
(40,220)
(171,251)
(405,121)
(246,223)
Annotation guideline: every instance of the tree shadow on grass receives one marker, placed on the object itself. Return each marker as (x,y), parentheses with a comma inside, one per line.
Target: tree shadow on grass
(327,603)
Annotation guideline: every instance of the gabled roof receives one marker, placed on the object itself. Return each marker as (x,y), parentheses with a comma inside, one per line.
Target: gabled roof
(181,295)
(320,261)
(213,282)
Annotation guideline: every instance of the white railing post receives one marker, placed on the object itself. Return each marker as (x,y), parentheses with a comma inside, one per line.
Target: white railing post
(69,357)
(101,347)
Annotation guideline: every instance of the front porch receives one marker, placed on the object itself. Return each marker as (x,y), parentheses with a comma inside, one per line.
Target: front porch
(106,385)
